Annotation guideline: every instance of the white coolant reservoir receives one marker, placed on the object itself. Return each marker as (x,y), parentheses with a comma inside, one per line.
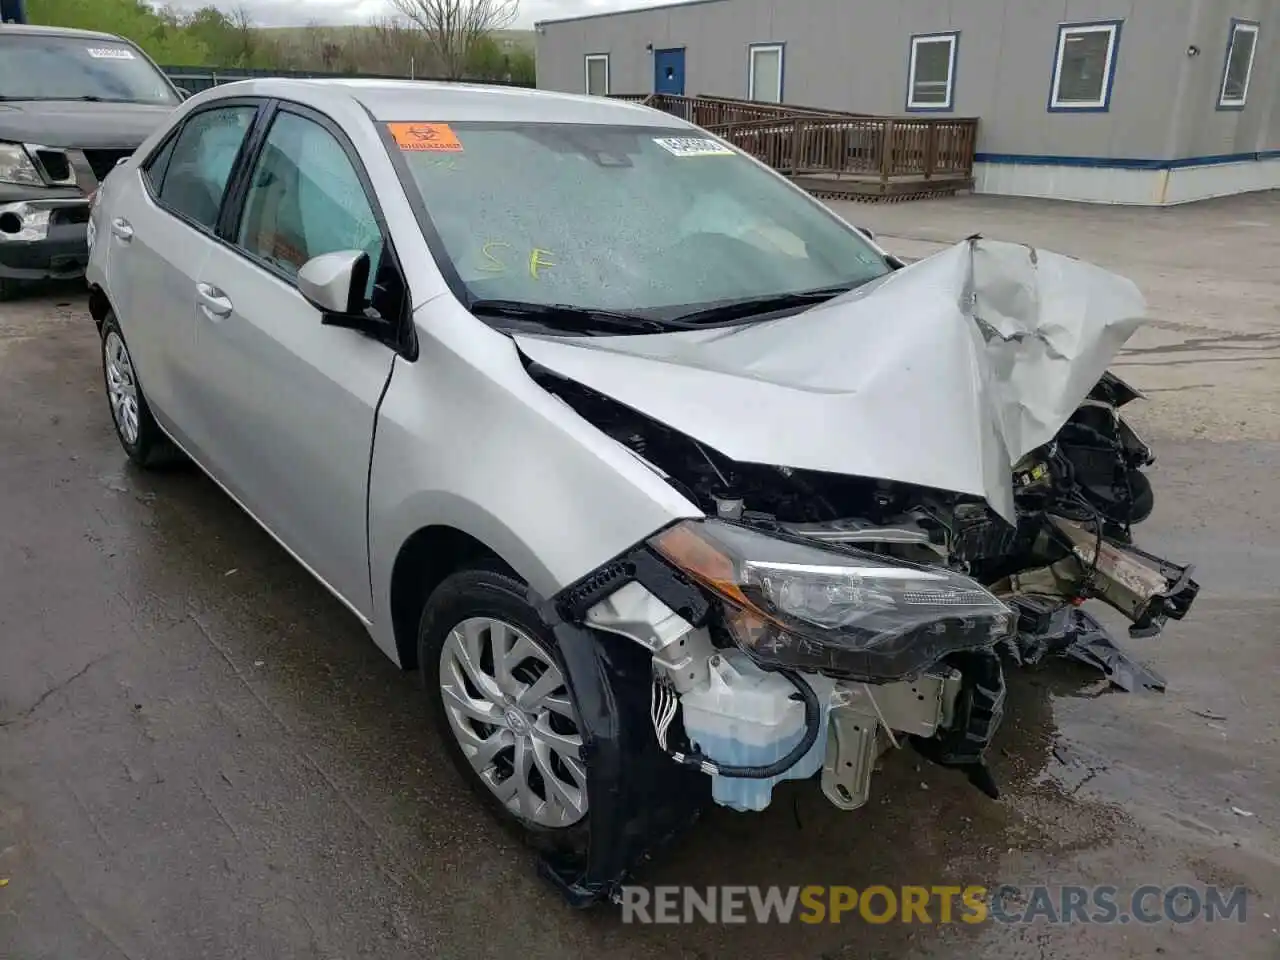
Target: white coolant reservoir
(747,717)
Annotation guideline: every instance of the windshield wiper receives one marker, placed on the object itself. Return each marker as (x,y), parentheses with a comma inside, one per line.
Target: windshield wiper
(754,307)
(566,316)
(89,97)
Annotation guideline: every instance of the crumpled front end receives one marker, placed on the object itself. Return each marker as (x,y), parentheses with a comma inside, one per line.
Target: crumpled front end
(905,491)
(942,375)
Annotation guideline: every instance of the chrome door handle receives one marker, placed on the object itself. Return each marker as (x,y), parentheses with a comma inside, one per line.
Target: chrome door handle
(121,228)
(213,302)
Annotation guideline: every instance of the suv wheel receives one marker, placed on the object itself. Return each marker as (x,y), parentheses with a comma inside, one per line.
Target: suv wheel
(499,697)
(136,428)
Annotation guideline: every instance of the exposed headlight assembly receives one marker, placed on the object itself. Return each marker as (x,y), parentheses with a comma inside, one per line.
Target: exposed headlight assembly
(849,613)
(16,166)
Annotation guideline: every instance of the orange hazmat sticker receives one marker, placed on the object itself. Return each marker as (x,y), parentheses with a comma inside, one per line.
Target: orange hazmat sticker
(435,137)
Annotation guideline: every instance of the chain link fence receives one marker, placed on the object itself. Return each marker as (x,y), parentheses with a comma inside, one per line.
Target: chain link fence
(196,79)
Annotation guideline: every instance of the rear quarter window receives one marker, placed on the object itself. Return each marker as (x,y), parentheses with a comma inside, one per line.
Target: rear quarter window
(204,152)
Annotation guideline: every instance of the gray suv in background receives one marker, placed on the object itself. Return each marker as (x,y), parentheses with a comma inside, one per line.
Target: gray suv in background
(72,104)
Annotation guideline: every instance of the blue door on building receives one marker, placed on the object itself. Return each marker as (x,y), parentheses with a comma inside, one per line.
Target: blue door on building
(668,71)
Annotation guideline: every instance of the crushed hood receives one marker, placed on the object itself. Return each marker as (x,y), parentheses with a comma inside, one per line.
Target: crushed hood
(942,374)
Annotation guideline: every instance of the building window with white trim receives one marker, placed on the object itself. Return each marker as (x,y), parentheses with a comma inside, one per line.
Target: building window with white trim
(597,79)
(764,73)
(1084,66)
(932,72)
(1239,66)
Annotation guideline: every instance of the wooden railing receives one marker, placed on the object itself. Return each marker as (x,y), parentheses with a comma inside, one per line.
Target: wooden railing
(885,154)
(886,147)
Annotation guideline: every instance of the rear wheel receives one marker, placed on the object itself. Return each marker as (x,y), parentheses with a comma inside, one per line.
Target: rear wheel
(8,289)
(501,703)
(136,428)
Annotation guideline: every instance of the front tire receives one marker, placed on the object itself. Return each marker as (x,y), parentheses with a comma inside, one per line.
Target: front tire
(499,699)
(136,429)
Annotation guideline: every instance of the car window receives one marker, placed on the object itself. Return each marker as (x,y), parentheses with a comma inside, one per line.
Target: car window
(306,199)
(155,167)
(200,166)
(36,67)
(621,218)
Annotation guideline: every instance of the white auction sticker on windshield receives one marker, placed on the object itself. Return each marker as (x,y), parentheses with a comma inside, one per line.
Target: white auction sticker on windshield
(110,53)
(693,147)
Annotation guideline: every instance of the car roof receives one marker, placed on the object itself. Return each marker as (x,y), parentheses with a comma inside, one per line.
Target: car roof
(427,101)
(37,30)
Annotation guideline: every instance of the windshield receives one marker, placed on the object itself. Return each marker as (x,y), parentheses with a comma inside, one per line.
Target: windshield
(33,67)
(648,221)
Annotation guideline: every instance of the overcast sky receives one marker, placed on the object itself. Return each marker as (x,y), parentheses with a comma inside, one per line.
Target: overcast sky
(286,13)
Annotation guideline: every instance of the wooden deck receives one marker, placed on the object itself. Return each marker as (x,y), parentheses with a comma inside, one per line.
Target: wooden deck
(842,155)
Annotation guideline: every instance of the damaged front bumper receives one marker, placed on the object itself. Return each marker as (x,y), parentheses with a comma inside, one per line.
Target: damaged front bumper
(637,637)
(673,715)
(43,236)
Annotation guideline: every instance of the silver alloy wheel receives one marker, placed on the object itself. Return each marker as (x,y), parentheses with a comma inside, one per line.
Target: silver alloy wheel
(122,388)
(509,709)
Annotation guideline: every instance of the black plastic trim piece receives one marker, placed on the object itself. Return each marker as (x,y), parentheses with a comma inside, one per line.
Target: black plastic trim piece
(979,710)
(642,565)
(640,800)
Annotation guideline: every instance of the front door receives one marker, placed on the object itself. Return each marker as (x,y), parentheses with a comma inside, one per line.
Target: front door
(668,71)
(291,403)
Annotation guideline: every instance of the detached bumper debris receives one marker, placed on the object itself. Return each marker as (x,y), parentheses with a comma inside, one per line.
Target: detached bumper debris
(1146,589)
(1074,634)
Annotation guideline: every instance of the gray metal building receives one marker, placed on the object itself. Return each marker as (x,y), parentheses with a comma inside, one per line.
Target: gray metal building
(1123,101)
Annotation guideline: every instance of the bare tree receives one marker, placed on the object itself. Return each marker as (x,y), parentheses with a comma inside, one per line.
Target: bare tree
(241,24)
(453,26)
(390,44)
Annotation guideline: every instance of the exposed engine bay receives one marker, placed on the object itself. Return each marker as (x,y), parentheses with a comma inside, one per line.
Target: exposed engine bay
(819,616)
(1078,499)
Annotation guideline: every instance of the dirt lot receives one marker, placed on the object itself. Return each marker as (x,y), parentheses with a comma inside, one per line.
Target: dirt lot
(203,755)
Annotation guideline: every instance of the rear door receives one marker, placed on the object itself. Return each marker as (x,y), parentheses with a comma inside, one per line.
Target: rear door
(288,404)
(161,230)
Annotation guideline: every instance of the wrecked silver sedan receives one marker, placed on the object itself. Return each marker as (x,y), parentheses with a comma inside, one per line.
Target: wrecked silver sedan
(672,484)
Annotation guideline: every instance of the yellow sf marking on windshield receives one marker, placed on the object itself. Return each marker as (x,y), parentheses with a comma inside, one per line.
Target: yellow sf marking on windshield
(537,261)
(495,265)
